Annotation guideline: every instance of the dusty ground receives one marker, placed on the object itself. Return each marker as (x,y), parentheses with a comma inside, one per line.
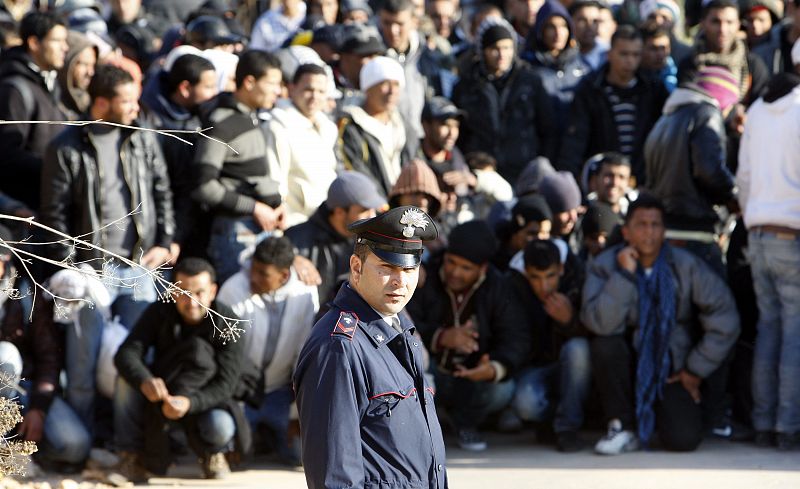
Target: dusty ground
(515,461)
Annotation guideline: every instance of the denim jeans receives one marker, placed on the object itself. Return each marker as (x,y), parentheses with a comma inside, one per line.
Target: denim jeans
(470,403)
(230,237)
(131,293)
(775,263)
(274,414)
(65,439)
(556,391)
(216,426)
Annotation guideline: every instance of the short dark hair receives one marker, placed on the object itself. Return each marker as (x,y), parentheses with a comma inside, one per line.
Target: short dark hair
(105,81)
(255,63)
(653,31)
(614,158)
(193,266)
(274,250)
(361,250)
(189,67)
(308,69)
(478,160)
(541,254)
(625,33)
(644,201)
(397,6)
(717,5)
(38,25)
(579,4)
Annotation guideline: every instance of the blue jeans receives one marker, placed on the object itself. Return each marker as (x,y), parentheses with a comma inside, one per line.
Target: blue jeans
(470,403)
(65,439)
(775,265)
(230,236)
(274,413)
(131,294)
(215,426)
(556,391)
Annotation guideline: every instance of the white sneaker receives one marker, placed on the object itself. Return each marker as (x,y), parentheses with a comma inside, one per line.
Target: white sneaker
(617,440)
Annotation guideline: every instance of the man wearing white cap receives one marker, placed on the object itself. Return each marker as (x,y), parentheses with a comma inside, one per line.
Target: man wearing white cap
(372,136)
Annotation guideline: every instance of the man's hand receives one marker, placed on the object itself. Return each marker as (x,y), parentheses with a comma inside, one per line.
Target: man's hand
(154,389)
(457,177)
(175,407)
(483,372)
(269,219)
(32,426)
(737,118)
(463,339)
(155,257)
(627,258)
(558,307)
(306,271)
(690,382)
(174,253)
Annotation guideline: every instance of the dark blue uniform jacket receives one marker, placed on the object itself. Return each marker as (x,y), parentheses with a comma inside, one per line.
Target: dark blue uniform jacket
(367,415)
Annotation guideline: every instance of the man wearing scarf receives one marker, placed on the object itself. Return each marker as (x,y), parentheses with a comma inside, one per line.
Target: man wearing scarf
(665,322)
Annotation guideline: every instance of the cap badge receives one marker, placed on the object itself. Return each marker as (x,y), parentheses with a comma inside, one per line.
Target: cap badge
(413,218)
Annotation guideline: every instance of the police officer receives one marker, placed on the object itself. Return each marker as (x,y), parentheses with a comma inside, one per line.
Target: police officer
(367,415)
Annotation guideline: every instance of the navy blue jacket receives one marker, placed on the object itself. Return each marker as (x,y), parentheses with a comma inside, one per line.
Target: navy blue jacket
(367,415)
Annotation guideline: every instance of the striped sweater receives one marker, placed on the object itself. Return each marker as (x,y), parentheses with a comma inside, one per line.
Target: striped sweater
(227,182)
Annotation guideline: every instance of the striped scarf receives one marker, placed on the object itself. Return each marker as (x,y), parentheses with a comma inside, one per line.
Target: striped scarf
(656,320)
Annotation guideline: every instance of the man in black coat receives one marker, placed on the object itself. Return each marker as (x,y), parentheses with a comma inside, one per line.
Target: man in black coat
(28,92)
(614,108)
(324,238)
(474,328)
(193,374)
(509,113)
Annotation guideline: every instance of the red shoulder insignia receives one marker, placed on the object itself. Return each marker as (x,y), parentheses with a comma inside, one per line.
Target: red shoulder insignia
(346,325)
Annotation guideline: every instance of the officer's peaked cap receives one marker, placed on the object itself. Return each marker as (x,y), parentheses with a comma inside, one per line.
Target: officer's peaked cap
(396,236)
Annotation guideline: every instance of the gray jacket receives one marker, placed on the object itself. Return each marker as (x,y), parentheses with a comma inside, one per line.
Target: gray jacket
(611,305)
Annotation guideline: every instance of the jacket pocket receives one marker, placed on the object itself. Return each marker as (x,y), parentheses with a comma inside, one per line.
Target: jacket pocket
(385,401)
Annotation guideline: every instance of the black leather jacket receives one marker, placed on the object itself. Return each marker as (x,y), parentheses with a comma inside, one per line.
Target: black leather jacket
(71,189)
(685,155)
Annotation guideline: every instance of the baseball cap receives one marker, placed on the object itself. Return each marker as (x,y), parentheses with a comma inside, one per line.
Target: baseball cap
(440,108)
(362,40)
(354,188)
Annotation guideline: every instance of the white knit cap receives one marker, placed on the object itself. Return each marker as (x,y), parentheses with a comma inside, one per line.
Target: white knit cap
(796,53)
(176,53)
(381,69)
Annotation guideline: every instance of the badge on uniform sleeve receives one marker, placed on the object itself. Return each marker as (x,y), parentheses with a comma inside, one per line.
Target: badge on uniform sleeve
(346,325)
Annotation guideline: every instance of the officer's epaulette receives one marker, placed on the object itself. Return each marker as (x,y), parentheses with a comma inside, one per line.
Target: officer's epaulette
(346,325)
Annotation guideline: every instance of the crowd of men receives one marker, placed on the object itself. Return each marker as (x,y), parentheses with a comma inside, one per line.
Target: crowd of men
(616,188)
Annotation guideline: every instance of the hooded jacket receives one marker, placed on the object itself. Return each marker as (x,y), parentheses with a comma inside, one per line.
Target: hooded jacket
(685,155)
(560,74)
(417,177)
(23,145)
(510,118)
(769,157)
(75,100)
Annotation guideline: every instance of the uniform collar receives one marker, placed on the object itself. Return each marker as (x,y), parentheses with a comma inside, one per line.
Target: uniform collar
(372,323)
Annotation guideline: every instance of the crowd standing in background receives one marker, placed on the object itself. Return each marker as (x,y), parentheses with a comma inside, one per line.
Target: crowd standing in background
(614,185)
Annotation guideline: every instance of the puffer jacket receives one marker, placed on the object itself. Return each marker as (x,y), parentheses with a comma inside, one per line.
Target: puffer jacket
(686,154)
(71,189)
(706,320)
(514,124)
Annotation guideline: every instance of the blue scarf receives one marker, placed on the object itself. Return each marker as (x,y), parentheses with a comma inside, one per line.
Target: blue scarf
(656,319)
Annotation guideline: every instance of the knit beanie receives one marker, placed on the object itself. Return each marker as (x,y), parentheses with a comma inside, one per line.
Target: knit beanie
(380,69)
(493,29)
(600,218)
(474,241)
(718,83)
(417,177)
(528,209)
(561,192)
(531,177)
